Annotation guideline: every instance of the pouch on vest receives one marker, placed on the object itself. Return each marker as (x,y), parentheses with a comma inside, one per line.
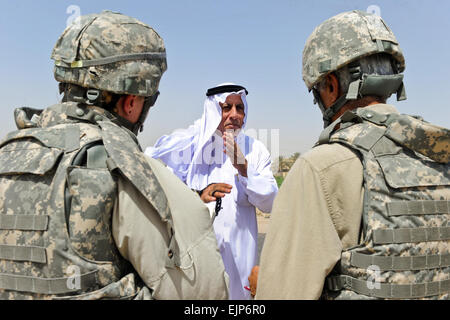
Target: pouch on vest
(28,151)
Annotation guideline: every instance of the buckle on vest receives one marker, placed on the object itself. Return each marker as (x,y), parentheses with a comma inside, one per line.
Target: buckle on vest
(334,283)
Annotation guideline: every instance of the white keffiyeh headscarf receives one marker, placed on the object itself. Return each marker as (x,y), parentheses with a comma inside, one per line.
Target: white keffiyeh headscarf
(189,152)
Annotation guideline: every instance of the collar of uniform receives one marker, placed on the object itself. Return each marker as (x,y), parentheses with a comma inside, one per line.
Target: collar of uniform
(87,113)
(381,108)
(70,112)
(54,115)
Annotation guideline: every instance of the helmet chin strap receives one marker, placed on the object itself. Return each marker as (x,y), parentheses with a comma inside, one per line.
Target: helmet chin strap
(366,85)
(149,102)
(329,112)
(92,97)
(139,125)
(133,127)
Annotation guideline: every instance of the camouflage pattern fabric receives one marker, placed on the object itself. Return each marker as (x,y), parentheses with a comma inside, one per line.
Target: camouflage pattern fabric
(112,52)
(123,153)
(430,140)
(344,38)
(404,252)
(47,252)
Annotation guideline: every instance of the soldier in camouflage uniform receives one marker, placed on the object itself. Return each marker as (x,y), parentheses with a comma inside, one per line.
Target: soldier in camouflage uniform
(365,213)
(83,213)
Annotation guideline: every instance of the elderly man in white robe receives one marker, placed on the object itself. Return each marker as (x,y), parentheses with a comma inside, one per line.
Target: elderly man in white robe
(231,173)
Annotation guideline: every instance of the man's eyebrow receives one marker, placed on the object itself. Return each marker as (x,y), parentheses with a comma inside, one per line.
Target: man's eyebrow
(226,105)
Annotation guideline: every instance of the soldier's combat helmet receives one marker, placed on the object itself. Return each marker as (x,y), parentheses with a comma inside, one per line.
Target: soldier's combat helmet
(110,52)
(343,40)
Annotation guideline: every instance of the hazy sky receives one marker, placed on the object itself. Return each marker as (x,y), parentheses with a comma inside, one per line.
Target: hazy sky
(251,42)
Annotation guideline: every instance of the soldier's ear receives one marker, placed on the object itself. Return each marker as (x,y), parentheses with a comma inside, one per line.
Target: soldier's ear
(332,88)
(329,91)
(333,84)
(128,103)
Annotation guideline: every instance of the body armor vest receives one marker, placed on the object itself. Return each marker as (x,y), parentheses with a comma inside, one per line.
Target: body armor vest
(56,200)
(404,247)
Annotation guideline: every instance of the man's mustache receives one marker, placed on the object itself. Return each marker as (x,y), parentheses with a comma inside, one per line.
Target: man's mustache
(233,123)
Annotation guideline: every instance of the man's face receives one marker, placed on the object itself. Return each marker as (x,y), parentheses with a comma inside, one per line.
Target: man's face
(233,113)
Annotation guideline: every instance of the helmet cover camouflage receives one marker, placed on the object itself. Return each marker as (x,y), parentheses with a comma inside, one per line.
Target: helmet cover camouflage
(344,38)
(112,52)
